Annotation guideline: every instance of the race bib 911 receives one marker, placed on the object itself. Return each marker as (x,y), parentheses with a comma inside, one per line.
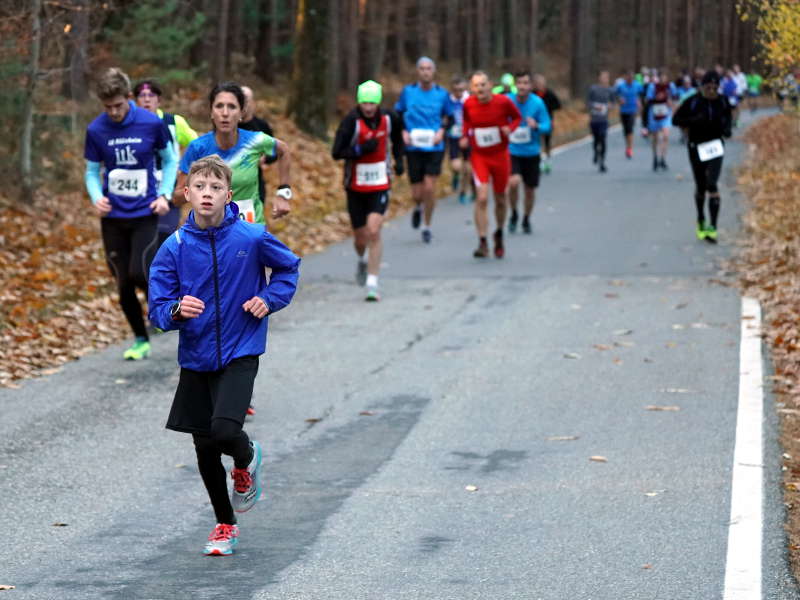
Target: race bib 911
(487,136)
(368,174)
(131,183)
(422,138)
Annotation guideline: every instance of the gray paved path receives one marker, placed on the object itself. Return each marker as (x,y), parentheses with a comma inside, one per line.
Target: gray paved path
(464,374)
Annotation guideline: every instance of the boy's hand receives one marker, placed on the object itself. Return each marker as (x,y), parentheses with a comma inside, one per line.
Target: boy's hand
(191,307)
(256,307)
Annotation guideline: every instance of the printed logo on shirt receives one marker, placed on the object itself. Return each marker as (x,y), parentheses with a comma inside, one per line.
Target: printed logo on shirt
(241,254)
(125,156)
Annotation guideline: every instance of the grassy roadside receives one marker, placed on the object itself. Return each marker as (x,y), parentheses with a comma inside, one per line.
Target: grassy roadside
(59,300)
(769,269)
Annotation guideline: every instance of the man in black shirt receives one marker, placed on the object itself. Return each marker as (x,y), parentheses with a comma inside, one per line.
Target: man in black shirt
(552,103)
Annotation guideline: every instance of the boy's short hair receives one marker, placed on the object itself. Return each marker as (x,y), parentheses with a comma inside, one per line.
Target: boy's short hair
(523,73)
(210,165)
(112,83)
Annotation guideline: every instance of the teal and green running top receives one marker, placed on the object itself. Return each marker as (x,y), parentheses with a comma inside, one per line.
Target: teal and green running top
(244,161)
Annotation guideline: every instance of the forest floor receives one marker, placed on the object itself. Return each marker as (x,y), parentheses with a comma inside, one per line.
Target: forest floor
(58,297)
(769,267)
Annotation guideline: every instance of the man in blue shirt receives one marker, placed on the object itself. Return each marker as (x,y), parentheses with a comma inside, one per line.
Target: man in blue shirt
(126,140)
(629,92)
(426,111)
(524,148)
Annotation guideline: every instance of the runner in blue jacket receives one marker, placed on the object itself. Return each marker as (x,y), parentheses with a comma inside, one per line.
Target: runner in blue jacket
(208,281)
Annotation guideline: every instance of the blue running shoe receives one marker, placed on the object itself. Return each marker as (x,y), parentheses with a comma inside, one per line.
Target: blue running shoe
(247,482)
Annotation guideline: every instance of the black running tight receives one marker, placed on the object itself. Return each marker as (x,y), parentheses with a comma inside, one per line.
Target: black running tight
(599,131)
(226,437)
(706,174)
(130,246)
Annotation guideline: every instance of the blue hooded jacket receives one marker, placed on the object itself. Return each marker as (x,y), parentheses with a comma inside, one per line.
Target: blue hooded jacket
(224,267)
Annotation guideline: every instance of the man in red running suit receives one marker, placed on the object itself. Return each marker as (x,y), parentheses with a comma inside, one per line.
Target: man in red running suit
(488,121)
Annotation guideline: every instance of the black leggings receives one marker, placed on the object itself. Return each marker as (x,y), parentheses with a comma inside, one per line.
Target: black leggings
(130,246)
(226,437)
(599,131)
(706,175)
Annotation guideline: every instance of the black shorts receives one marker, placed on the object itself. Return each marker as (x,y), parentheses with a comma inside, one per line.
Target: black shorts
(628,122)
(422,163)
(205,395)
(528,167)
(454,150)
(361,204)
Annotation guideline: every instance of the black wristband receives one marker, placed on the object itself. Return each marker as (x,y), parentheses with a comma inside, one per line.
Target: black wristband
(285,186)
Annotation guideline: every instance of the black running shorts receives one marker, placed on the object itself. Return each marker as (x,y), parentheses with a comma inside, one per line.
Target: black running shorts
(205,395)
(528,168)
(628,122)
(361,204)
(422,163)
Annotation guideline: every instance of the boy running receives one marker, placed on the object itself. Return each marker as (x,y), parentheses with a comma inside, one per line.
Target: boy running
(126,140)
(363,140)
(208,282)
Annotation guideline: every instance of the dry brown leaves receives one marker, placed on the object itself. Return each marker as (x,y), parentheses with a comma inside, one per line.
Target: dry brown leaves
(769,267)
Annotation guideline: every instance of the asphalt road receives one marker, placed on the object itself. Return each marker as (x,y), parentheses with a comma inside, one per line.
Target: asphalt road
(377,418)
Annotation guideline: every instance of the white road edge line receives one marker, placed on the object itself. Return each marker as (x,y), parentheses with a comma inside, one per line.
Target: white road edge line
(743,563)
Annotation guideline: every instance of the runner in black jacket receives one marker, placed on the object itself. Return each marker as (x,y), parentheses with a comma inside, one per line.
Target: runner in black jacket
(706,117)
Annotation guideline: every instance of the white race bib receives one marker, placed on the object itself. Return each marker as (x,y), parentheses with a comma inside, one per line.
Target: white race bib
(487,136)
(368,174)
(247,210)
(131,183)
(599,109)
(521,135)
(710,150)
(733,100)
(455,130)
(422,138)
(660,110)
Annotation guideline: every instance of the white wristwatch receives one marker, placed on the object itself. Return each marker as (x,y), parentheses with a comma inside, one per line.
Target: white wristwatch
(284,192)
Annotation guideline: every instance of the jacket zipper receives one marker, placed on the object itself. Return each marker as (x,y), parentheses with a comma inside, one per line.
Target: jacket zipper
(216,299)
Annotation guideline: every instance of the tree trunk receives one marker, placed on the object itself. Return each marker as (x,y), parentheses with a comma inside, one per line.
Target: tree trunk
(583,45)
(351,51)
(25,163)
(74,84)
(309,98)
(400,25)
(638,59)
(468,18)
(222,58)
(691,58)
(533,26)
(451,31)
(666,57)
(482,17)
(334,44)
(652,57)
(264,41)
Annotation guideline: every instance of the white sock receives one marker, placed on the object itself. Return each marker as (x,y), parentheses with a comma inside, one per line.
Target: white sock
(372,280)
(426,228)
(362,260)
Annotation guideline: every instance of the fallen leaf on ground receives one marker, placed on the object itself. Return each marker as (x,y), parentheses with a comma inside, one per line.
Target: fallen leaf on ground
(671,345)
(471,488)
(617,361)
(654,493)
(648,360)
(700,326)
(7,587)
(681,305)
(575,306)
(657,407)
(120,381)
(180,466)
(601,347)
(612,295)
(59,524)
(562,438)
(624,344)
(678,326)
(573,355)
(623,332)
(647,566)
(617,283)
(676,391)
(366,413)
(598,459)
(313,420)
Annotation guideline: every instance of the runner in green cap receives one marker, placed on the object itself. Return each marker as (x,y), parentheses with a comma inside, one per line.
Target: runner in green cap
(506,85)
(363,140)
